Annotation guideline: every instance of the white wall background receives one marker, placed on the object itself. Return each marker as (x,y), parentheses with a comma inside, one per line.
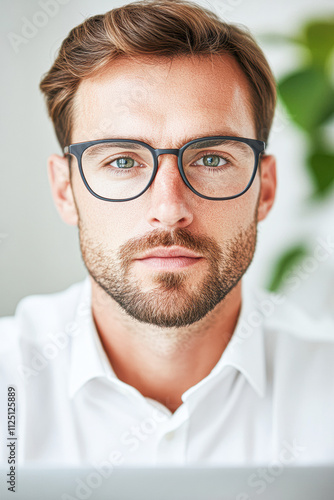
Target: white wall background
(38,252)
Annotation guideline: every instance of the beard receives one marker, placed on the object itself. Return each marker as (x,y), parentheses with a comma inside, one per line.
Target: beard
(172,301)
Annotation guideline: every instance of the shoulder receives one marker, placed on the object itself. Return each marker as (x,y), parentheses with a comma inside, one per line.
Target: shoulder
(298,346)
(280,317)
(36,319)
(294,324)
(51,307)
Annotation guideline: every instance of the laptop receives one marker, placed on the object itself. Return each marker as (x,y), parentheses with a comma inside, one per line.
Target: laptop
(162,483)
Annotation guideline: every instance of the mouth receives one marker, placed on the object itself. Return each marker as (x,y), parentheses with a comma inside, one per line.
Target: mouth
(168,259)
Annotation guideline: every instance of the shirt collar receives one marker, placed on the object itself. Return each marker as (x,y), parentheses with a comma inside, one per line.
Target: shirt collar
(88,359)
(245,350)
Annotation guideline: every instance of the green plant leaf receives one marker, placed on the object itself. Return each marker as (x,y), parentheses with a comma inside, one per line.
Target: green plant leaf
(308,97)
(321,167)
(284,264)
(279,38)
(319,36)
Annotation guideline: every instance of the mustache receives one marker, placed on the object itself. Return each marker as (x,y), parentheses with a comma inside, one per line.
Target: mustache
(203,245)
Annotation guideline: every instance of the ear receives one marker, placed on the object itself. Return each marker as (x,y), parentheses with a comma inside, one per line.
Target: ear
(59,178)
(268,186)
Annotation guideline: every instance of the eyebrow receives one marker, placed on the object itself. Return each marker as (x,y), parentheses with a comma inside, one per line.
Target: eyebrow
(211,143)
(91,152)
(218,133)
(227,133)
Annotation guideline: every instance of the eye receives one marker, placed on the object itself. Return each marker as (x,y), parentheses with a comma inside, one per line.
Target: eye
(211,161)
(124,162)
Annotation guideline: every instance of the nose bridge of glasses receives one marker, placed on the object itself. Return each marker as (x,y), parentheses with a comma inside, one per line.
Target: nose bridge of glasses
(166,152)
(160,152)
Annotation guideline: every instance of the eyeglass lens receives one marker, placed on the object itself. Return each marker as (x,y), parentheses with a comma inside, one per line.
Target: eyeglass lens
(214,168)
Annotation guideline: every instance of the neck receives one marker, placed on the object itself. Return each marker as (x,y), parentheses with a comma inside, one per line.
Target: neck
(162,363)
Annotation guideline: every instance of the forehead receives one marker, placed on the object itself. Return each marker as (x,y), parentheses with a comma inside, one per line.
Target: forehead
(164,101)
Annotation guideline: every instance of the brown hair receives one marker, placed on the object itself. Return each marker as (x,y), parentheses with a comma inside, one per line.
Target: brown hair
(164,28)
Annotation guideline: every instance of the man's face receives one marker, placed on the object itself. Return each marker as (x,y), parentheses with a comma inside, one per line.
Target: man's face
(166,105)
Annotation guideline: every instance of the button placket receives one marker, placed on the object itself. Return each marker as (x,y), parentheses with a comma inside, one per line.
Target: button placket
(171,449)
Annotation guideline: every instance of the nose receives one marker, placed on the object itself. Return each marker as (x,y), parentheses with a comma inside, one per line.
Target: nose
(169,196)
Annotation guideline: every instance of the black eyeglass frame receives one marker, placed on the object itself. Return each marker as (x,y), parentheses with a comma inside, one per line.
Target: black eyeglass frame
(78,149)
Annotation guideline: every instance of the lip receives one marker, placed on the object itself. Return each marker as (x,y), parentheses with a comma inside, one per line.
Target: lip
(169,259)
(169,253)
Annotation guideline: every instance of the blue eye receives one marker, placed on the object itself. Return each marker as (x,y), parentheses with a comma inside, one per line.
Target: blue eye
(124,162)
(211,161)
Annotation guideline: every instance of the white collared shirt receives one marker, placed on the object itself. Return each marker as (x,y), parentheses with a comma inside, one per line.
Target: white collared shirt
(270,398)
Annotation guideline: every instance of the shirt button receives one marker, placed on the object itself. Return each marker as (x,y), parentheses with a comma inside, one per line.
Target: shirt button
(170,435)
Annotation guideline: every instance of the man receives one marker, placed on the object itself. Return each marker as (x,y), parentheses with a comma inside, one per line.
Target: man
(160,357)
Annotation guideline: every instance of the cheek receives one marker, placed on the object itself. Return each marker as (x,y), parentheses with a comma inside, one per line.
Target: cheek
(108,222)
(115,220)
(225,219)
(245,206)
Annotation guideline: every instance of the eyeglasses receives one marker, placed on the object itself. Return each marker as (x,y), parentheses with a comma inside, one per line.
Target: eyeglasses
(214,168)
